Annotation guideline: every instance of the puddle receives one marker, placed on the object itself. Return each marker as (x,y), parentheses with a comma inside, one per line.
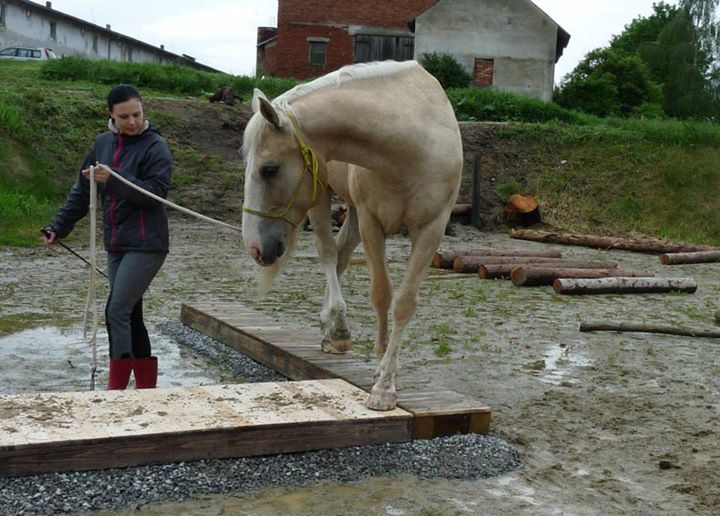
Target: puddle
(559,363)
(52,359)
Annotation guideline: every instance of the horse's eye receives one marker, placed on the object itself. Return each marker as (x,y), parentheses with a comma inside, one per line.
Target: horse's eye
(268,171)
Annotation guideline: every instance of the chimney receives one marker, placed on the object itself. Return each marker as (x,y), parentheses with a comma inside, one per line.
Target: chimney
(162,47)
(48,5)
(107,26)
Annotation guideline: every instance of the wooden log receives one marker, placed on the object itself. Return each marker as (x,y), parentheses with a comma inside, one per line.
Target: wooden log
(471,264)
(503,271)
(640,245)
(694,257)
(445,259)
(529,276)
(646,328)
(624,285)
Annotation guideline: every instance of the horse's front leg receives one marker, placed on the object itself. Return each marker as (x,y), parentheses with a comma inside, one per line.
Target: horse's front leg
(336,335)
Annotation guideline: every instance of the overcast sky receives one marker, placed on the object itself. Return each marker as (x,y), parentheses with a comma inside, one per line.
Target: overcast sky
(222,33)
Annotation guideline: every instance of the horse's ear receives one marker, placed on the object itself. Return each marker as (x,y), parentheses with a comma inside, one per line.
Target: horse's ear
(261,103)
(257,95)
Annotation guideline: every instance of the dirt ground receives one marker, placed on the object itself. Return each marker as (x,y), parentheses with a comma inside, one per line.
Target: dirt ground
(607,423)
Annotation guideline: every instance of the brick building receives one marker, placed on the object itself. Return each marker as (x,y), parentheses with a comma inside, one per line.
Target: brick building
(314,37)
(511,45)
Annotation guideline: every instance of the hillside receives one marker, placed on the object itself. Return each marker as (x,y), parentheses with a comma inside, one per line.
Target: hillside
(619,178)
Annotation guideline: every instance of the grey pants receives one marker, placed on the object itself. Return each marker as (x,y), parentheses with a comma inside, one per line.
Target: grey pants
(130,275)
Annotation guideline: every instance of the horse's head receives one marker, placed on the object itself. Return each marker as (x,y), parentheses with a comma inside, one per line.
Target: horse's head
(281,182)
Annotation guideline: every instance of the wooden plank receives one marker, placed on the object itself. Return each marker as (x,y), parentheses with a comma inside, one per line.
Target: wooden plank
(436,412)
(51,432)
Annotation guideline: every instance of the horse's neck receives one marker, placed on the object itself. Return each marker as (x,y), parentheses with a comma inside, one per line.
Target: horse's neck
(370,122)
(334,128)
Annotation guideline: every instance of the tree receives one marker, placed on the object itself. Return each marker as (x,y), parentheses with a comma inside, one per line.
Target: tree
(680,63)
(643,30)
(609,82)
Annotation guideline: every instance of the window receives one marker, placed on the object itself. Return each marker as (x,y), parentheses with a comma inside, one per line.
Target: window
(484,72)
(318,52)
(24,52)
(95,43)
(2,14)
(12,51)
(53,30)
(36,53)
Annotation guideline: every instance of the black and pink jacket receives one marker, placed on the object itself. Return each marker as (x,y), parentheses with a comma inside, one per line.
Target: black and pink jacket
(132,221)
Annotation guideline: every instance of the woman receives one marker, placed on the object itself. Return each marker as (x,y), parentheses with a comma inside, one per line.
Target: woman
(135,228)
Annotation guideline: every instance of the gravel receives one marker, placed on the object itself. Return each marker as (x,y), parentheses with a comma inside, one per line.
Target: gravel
(457,457)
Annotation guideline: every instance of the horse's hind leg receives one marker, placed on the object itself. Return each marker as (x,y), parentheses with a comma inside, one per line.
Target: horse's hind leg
(424,244)
(373,239)
(348,239)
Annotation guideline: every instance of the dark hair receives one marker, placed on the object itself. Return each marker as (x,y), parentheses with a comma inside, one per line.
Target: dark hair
(122,93)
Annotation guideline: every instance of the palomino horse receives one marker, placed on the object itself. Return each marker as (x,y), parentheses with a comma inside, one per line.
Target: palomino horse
(391,121)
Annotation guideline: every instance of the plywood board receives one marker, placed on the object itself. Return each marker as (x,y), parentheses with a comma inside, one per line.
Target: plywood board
(46,432)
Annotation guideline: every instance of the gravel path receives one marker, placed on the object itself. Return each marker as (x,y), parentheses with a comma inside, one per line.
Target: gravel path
(457,457)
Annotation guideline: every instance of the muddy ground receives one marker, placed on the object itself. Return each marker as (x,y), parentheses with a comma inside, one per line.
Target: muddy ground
(607,423)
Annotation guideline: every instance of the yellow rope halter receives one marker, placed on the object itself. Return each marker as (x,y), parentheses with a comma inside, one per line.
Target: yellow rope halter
(311,165)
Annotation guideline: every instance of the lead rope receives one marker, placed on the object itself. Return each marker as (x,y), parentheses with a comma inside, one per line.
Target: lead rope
(168,203)
(91,300)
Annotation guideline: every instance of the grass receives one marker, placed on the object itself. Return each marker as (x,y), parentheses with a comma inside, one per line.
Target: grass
(607,176)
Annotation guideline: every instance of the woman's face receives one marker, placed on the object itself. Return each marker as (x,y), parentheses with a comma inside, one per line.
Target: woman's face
(128,117)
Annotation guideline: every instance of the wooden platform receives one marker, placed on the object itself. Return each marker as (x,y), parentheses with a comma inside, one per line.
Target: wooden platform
(296,353)
(50,432)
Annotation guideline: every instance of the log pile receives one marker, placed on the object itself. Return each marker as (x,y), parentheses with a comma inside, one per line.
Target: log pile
(567,276)
(639,245)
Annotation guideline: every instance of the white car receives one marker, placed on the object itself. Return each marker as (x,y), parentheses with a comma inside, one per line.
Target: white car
(27,53)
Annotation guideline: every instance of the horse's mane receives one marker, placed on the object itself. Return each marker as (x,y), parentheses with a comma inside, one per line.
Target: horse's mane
(346,73)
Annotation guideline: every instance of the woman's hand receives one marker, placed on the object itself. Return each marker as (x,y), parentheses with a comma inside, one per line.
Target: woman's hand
(102,173)
(50,238)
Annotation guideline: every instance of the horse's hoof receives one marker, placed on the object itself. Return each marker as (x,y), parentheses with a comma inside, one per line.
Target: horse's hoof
(382,401)
(336,347)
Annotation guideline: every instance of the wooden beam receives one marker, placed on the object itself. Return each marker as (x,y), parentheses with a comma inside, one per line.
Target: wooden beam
(296,354)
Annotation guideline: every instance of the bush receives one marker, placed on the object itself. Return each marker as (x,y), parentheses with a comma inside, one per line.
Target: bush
(487,104)
(446,69)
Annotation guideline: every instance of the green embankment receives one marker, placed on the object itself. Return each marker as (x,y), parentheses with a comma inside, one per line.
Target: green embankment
(608,176)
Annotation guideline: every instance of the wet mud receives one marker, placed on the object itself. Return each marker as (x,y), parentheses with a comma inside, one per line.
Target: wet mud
(606,423)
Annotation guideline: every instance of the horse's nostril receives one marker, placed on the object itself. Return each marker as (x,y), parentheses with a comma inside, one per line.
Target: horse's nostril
(254,252)
(279,250)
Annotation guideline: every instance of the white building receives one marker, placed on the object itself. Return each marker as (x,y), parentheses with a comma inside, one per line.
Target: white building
(511,45)
(24,23)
